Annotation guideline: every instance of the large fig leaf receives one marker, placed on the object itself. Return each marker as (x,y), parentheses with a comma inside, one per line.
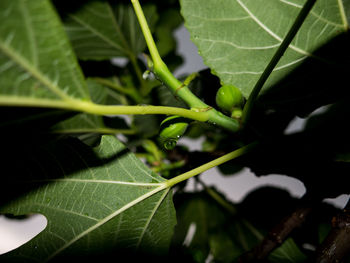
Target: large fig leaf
(95,200)
(237,38)
(99,30)
(37,62)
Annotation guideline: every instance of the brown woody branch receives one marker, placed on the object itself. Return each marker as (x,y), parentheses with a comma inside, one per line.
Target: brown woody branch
(336,245)
(278,234)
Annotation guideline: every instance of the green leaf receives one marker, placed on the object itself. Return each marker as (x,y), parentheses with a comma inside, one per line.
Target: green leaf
(288,252)
(95,200)
(225,235)
(99,30)
(37,62)
(200,213)
(223,248)
(237,39)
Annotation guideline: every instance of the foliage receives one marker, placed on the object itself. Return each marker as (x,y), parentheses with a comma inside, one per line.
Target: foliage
(64,94)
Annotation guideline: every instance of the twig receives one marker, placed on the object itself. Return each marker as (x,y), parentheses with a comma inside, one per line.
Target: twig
(278,234)
(336,245)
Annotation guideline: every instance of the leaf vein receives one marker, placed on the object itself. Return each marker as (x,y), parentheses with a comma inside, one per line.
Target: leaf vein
(98,34)
(107,218)
(270,32)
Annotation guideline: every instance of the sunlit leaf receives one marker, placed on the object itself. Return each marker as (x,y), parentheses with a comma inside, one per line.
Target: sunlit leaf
(95,201)
(36,60)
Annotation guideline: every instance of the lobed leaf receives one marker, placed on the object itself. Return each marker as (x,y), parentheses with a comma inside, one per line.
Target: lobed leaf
(238,38)
(95,201)
(99,30)
(36,59)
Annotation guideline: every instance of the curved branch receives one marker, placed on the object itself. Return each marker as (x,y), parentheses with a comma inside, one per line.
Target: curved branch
(279,233)
(336,245)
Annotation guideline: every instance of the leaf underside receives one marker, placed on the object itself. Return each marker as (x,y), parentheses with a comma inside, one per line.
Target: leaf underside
(36,59)
(94,200)
(238,38)
(99,30)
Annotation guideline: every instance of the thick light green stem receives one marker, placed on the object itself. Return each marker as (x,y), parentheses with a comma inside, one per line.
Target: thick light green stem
(95,130)
(92,108)
(179,89)
(209,165)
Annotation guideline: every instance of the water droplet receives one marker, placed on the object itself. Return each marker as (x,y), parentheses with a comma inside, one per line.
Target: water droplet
(146,74)
(170,144)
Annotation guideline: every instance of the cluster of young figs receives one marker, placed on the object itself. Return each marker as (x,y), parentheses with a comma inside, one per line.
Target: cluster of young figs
(228,98)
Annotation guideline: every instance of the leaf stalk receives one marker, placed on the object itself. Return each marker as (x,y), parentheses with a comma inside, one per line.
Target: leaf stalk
(247,110)
(225,158)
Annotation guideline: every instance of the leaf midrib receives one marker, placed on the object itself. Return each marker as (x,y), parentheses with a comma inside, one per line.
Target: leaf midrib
(156,207)
(28,67)
(98,181)
(118,29)
(343,15)
(271,33)
(109,217)
(318,16)
(123,48)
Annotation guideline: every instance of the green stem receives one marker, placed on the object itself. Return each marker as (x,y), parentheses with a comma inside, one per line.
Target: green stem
(97,109)
(225,158)
(92,108)
(181,90)
(147,33)
(275,59)
(95,130)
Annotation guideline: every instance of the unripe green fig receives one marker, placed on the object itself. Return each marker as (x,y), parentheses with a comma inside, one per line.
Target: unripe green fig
(171,129)
(229,97)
